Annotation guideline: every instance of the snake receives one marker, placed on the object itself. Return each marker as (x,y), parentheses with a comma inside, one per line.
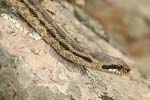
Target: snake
(66,46)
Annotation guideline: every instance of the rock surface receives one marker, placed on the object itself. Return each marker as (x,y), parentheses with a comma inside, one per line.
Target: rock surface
(31,70)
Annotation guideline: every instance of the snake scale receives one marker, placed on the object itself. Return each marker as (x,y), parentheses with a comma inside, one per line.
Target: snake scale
(42,22)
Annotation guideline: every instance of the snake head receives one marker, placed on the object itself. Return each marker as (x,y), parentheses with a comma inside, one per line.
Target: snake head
(115,66)
(118,69)
(111,64)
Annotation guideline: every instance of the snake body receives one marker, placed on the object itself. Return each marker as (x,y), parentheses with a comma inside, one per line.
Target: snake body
(41,21)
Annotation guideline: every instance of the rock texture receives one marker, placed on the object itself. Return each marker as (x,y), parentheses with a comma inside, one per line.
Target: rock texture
(31,70)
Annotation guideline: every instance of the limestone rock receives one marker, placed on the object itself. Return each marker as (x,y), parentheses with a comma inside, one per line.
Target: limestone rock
(31,70)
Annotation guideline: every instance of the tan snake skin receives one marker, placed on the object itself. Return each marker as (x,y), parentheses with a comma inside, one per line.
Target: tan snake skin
(41,21)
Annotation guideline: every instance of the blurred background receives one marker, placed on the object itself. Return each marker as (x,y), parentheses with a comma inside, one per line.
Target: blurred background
(128,24)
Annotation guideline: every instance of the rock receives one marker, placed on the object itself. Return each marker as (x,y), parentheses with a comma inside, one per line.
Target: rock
(32,70)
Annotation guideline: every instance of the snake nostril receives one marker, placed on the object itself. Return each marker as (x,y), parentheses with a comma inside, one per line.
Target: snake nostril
(128,70)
